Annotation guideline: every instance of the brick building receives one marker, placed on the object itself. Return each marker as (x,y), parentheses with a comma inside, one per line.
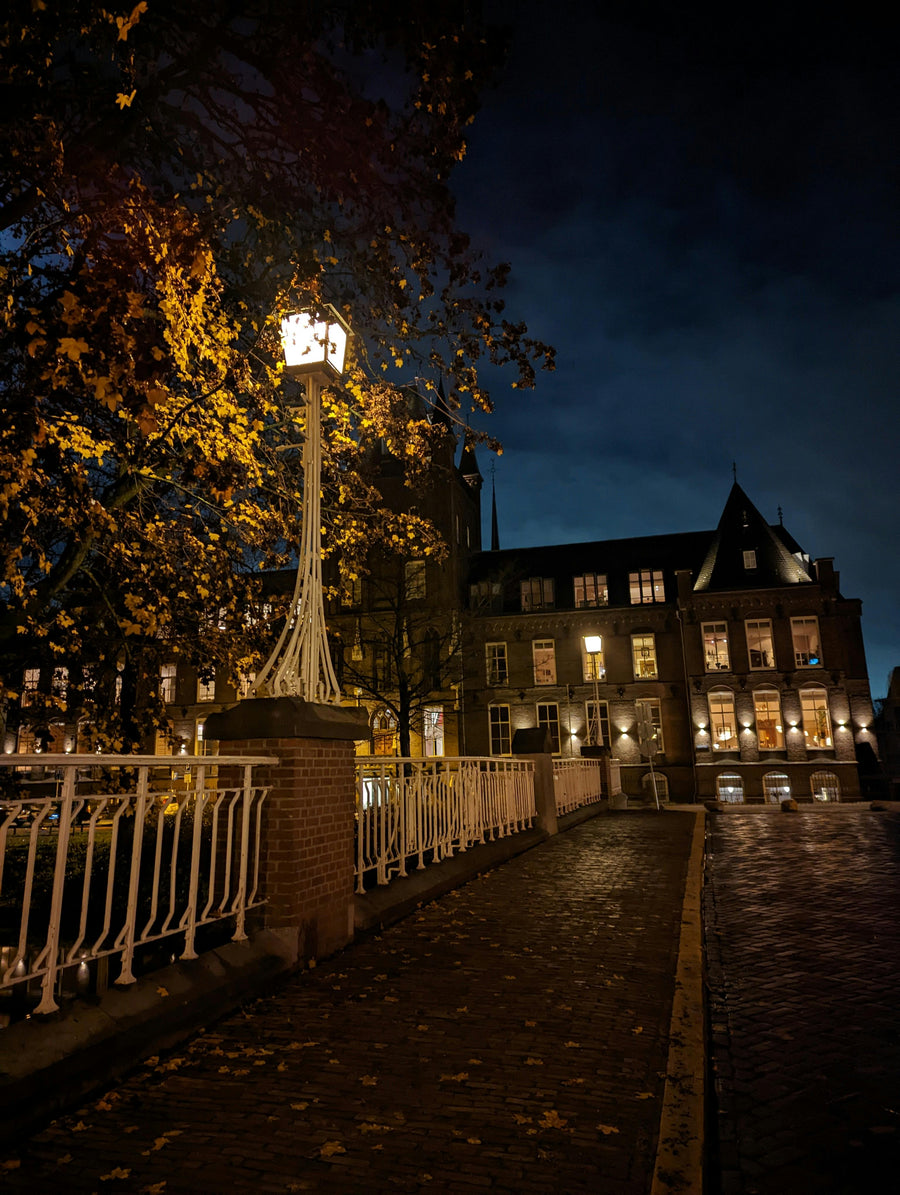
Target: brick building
(740,654)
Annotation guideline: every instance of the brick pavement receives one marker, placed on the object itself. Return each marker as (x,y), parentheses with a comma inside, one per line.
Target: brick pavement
(511,1036)
(803,955)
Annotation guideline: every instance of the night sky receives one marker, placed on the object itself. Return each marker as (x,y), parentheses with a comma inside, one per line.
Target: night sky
(700,208)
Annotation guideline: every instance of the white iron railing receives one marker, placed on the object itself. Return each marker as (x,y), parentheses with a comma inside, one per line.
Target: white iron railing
(576,782)
(410,808)
(101,854)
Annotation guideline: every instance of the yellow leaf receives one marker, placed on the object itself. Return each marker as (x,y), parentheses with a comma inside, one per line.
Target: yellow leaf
(330,1148)
(552,1120)
(72,348)
(644,1095)
(463,1075)
(606,1129)
(12,1164)
(123,100)
(368,1080)
(161,991)
(116,1172)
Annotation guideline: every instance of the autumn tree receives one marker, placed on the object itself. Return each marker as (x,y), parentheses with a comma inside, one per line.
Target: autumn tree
(174,178)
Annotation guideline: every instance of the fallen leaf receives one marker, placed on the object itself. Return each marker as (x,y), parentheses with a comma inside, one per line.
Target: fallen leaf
(521,1119)
(638,1029)
(300,1107)
(422,1028)
(455,1078)
(534,1062)
(473,1140)
(644,1095)
(606,1129)
(330,1148)
(368,1080)
(81,1127)
(161,991)
(530,1024)
(573,1045)
(64,1160)
(12,1164)
(155,1188)
(116,1172)
(552,1120)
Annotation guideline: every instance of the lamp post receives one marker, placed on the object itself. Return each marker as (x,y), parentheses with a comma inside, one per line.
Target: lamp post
(300,665)
(593,645)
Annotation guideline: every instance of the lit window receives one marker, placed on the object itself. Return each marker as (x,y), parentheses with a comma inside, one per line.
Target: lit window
(715,646)
(592,667)
(769,727)
(760,644)
(167,683)
(433,730)
(246,681)
(646,586)
(643,650)
(805,632)
(206,690)
(730,788)
(750,559)
(163,745)
(776,787)
(548,719)
(816,718)
(496,663)
(414,571)
(351,594)
(31,679)
(544,653)
(597,717)
(498,716)
(385,739)
(825,786)
(722,724)
(591,590)
(648,716)
(537,594)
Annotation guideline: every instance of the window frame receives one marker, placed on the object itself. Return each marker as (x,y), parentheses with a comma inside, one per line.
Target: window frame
(493,678)
(638,673)
(603,708)
(824,779)
(653,706)
(738,788)
(820,695)
(414,583)
(769,697)
(499,729)
(646,587)
(780,782)
(551,723)
(757,623)
(714,630)
(594,590)
(168,682)
(814,658)
(549,647)
(537,593)
(433,731)
(588,659)
(732,740)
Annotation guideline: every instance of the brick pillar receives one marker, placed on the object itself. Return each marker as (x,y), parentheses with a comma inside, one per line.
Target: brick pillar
(308,827)
(544,791)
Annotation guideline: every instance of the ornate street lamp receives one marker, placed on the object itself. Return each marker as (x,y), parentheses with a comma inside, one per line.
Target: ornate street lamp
(300,666)
(593,645)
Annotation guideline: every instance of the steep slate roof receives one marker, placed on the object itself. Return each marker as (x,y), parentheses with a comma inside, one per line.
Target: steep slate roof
(468,464)
(742,528)
(715,559)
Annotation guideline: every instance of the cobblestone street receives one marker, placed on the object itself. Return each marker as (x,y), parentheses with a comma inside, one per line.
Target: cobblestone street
(803,951)
(511,1036)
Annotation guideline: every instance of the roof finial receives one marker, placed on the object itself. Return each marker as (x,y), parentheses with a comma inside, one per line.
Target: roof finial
(734,471)
(495,530)
(780,516)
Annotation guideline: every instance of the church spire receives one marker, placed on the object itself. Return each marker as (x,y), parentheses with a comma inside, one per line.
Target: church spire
(495,531)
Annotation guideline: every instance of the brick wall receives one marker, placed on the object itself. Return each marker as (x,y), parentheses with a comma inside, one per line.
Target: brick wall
(306,860)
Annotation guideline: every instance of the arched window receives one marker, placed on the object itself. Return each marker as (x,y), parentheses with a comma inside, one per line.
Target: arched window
(730,788)
(384,732)
(662,785)
(825,786)
(816,718)
(776,787)
(722,722)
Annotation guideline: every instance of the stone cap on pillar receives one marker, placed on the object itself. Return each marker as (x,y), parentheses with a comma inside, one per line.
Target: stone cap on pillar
(532,740)
(286,718)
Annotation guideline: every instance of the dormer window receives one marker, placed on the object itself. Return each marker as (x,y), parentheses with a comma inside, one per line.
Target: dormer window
(538,594)
(750,559)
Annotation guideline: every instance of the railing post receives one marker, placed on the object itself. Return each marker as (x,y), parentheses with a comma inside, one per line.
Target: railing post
(51,950)
(306,857)
(126,939)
